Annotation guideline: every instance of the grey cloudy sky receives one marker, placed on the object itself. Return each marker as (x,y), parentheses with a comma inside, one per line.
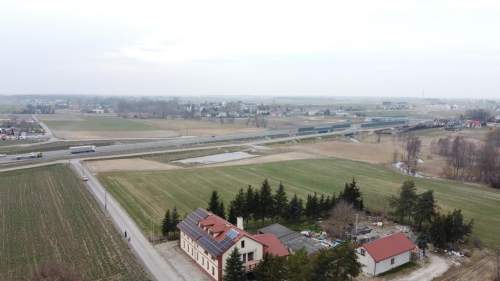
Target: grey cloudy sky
(334,48)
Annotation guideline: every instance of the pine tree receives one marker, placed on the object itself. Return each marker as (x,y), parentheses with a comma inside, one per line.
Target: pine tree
(251,202)
(308,211)
(265,207)
(339,264)
(166,224)
(221,212)
(234,267)
(232,217)
(404,204)
(175,218)
(239,205)
(295,209)
(280,201)
(352,195)
(425,209)
(214,204)
(271,268)
(298,267)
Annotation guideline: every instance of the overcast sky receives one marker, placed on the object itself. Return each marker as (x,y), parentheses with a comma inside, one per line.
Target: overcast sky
(335,48)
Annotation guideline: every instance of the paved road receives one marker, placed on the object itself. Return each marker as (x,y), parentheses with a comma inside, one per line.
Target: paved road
(157,266)
(127,148)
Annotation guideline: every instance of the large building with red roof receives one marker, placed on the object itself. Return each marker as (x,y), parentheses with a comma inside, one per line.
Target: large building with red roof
(209,240)
(385,253)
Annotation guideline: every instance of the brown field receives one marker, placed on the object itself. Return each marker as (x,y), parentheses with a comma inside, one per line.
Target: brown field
(481,267)
(76,126)
(127,164)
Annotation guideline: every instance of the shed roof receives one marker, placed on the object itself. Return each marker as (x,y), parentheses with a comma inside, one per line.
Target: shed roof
(389,246)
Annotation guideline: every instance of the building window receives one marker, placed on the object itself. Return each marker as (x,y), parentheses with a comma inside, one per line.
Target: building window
(202,260)
(242,243)
(213,270)
(392,261)
(362,252)
(244,258)
(250,256)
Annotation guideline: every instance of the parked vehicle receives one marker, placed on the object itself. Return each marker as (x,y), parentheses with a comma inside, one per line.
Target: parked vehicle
(82,149)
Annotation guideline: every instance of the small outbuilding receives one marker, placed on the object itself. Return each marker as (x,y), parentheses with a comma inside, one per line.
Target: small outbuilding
(385,253)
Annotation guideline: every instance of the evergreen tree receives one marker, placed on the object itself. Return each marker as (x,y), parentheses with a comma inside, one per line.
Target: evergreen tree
(214,204)
(449,229)
(221,210)
(166,225)
(322,204)
(404,205)
(336,264)
(251,202)
(352,195)
(438,233)
(234,270)
(265,207)
(280,201)
(175,218)
(457,229)
(232,217)
(425,209)
(239,205)
(308,210)
(295,209)
(271,268)
(298,267)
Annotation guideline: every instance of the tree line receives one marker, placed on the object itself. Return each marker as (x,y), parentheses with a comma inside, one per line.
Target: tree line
(339,264)
(472,161)
(261,204)
(420,212)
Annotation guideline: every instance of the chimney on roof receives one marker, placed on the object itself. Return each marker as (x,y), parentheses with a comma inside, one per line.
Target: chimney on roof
(239,223)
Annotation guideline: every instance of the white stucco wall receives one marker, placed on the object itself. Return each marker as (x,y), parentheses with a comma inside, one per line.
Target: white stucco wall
(372,268)
(250,246)
(200,256)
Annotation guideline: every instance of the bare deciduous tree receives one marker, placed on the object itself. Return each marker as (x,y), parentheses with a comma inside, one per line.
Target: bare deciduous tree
(341,217)
(411,147)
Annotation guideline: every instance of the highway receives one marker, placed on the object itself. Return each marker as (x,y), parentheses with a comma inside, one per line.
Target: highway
(128,148)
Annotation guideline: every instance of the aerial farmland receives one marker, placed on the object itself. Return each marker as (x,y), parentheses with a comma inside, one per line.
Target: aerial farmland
(48,217)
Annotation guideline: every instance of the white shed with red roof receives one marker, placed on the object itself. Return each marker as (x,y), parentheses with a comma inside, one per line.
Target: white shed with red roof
(385,253)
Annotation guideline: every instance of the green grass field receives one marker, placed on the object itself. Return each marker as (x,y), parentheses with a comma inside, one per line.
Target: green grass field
(46,216)
(98,123)
(146,195)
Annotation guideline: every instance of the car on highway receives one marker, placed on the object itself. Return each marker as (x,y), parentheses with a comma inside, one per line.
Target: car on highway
(85,178)
(3,155)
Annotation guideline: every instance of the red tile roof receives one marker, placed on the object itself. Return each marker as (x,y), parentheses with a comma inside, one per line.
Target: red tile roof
(219,226)
(388,246)
(272,244)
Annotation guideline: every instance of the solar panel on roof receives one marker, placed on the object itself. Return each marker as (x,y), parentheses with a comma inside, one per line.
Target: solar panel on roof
(232,233)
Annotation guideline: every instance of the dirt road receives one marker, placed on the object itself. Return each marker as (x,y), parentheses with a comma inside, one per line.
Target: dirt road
(436,267)
(158,267)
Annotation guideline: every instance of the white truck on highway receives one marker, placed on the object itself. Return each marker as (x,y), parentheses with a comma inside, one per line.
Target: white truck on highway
(31,155)
(82,149)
